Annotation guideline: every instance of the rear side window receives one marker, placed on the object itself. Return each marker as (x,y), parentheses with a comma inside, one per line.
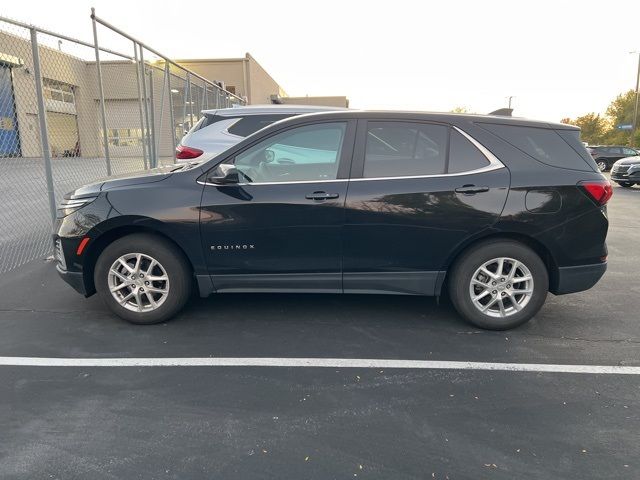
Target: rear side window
(572,137)
(396,149)
(545,145)
(252,123)
(463,155)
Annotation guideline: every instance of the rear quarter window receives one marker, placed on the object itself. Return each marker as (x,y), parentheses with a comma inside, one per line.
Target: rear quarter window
(557,148)
(252,123)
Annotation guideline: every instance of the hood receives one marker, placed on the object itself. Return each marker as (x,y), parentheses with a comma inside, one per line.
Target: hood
(628,160)
(127,179)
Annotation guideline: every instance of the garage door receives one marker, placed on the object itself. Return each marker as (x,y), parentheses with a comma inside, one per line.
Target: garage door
(9,138)
(63,134)
(123,128)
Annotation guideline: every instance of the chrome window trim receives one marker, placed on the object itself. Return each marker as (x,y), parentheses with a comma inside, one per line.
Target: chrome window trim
(273,183)
(494,164)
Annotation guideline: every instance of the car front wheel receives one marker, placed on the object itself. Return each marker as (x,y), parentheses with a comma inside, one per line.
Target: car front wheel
(625,184)
(498,285)
(143,278)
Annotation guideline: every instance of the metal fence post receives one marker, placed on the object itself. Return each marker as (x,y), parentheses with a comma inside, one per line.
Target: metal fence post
(190,103)
(42,118)
(164,84)
(152,119)
(171,112)
(184,105)
(143,78)
(140,108)
(105,134)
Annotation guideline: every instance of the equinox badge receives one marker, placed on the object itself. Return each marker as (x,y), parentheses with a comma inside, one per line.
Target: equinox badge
(245,246)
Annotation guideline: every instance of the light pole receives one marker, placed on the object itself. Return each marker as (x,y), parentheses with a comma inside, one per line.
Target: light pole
(635,111)
(510,97)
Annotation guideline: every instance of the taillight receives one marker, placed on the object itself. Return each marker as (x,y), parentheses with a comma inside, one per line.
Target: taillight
(184,153)
(599,191)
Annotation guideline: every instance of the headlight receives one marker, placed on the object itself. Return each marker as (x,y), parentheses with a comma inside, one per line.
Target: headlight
(70,205)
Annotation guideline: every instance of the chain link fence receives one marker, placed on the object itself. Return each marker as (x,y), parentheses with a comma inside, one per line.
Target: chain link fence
(73,112)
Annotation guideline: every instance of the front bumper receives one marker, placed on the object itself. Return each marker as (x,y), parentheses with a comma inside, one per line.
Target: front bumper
(633,177)
(75,279)
(578,279)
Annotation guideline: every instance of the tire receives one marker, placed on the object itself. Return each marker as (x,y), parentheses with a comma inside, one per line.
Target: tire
(625,184)
(467,268)
(602,165)
(168,281)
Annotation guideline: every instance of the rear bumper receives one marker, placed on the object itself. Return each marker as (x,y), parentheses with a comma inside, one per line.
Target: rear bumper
(578,279)
(75,279)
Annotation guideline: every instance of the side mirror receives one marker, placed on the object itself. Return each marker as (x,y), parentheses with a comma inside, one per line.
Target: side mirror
(225,174)
(269,155)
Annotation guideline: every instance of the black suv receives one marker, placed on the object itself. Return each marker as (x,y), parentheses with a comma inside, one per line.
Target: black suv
(606,155)
(497,211)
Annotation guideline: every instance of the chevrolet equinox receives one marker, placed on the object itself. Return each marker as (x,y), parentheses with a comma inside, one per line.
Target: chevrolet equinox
(495,210)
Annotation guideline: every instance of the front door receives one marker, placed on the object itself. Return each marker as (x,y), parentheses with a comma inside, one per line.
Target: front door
(418,191)
(279,227)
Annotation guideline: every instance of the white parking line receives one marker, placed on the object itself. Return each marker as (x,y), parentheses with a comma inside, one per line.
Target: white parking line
(315,363)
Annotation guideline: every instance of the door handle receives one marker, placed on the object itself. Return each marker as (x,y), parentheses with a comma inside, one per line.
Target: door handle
(471,189)
(321,196)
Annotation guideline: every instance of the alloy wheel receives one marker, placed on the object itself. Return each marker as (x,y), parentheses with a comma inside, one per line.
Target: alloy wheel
(138,282)
(501,287)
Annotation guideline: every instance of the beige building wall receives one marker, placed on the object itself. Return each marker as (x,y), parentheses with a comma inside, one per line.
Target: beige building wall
(54,65)
(337,101)
(244,75)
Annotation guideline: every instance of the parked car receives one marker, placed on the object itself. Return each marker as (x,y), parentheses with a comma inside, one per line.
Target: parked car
(496,210)
(220,129)
(606,155)
(626,172)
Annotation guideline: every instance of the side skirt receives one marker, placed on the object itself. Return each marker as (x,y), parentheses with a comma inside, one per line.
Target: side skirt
(399,283)
(427,283)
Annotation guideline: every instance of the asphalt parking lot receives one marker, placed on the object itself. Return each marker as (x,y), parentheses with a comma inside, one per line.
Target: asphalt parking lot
(241,422)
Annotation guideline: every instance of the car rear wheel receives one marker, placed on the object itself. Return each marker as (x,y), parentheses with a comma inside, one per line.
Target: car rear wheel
(602,165)
(625,184)
(143,279)
(498,285)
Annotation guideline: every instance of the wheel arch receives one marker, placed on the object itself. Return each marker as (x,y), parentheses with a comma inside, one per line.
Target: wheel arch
(538,247)
(99,243)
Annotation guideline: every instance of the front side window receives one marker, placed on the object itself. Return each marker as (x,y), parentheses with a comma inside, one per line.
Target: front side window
(629,151)
(309,153)
(396,149)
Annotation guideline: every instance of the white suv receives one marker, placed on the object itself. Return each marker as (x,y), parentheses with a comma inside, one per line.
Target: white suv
(220,129)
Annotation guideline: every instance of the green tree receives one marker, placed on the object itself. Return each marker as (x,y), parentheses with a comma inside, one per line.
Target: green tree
(620,112)
(603,130)
(460,110)
(593,127)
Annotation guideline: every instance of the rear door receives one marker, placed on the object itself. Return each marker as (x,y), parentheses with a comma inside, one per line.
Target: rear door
(279,228)
(418,191)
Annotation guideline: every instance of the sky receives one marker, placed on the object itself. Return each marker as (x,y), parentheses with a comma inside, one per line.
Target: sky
(557,59)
